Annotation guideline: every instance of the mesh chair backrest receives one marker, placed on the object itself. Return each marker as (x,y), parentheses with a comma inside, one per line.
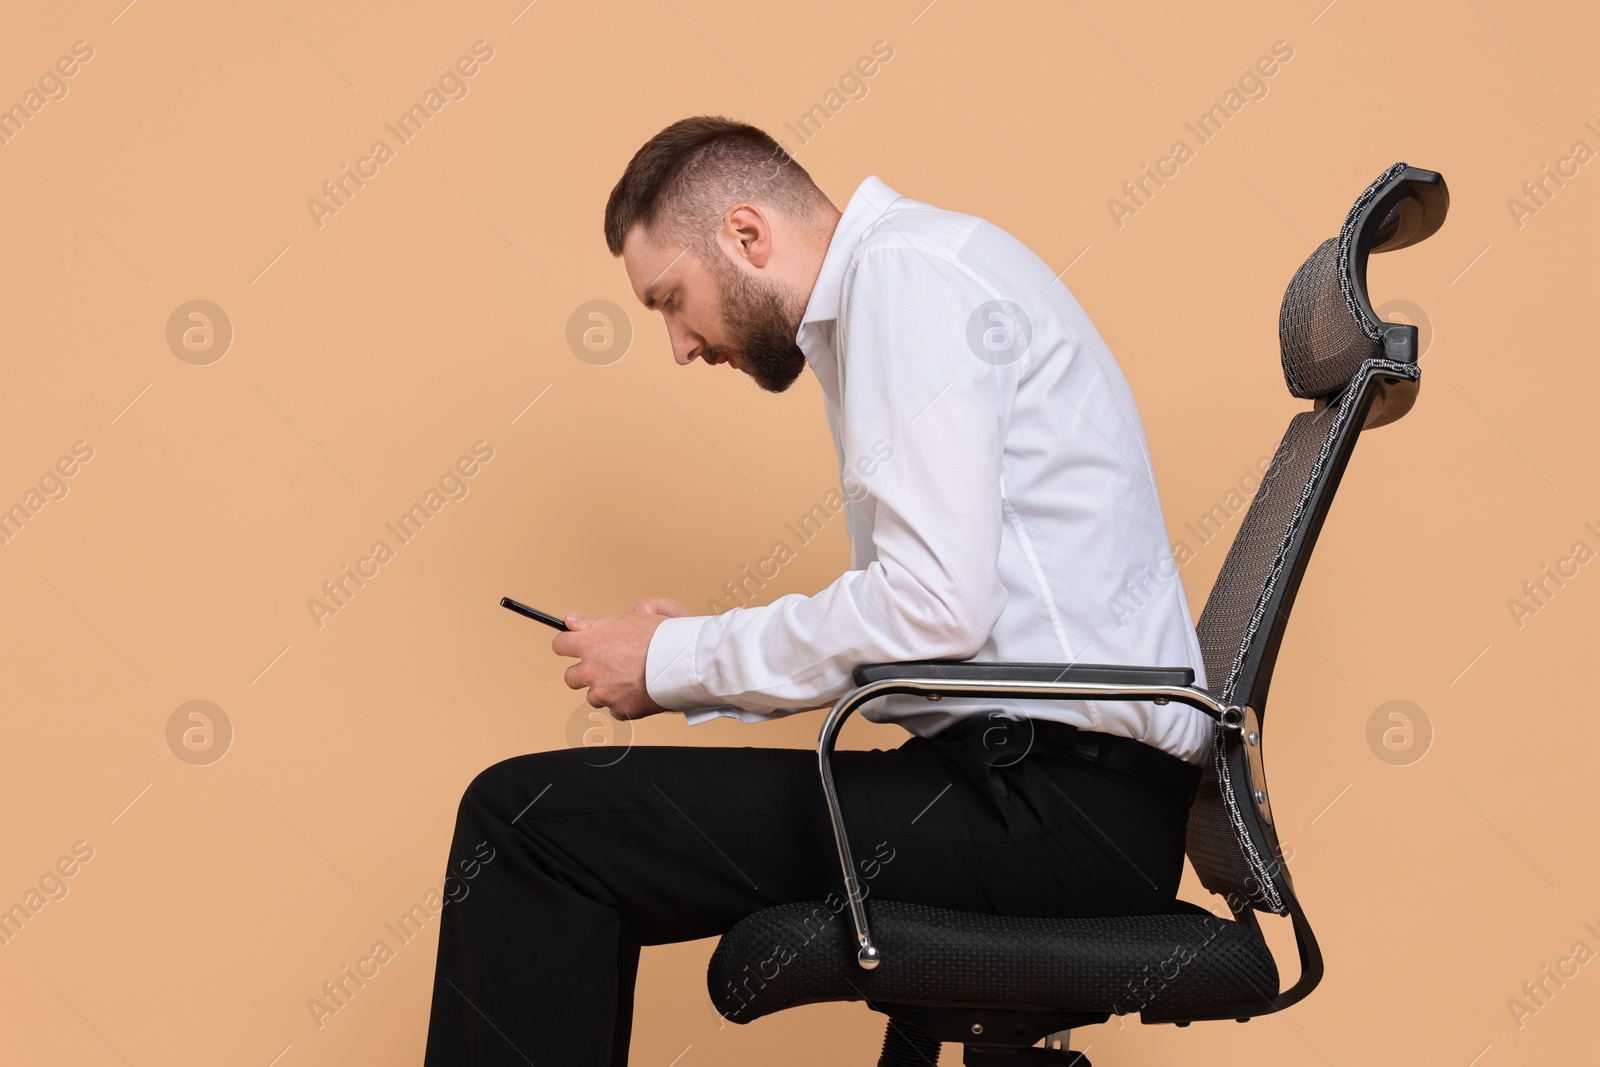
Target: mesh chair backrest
(1361,372)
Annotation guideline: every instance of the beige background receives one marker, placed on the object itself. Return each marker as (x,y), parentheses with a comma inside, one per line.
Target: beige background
(432,309)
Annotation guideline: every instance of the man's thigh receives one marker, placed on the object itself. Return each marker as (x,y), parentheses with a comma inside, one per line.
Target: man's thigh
(684,842)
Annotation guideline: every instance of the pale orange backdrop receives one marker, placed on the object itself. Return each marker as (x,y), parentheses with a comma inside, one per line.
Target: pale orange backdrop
(373,346)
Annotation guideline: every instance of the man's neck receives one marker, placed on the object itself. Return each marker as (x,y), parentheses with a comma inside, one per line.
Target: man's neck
(814,245)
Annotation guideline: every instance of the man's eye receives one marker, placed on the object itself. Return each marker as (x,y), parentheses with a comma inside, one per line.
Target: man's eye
(669,301)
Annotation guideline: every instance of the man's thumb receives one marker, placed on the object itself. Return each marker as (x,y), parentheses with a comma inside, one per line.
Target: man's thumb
(575,621)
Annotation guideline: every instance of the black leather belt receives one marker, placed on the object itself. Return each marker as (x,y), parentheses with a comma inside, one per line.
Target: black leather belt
(1161,770)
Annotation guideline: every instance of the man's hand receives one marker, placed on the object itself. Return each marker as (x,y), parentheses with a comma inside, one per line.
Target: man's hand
(611,653)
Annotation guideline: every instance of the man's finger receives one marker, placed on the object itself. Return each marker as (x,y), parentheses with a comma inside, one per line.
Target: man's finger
(574,677)
(566,645)
(594,701)
(575,621)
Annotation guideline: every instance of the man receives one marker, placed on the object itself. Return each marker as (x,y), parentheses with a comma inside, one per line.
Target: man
(1001,506)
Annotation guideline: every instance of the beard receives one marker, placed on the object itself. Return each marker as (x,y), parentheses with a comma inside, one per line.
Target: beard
(762,323)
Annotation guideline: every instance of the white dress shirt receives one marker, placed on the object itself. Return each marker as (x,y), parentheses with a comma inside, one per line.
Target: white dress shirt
(1000,499)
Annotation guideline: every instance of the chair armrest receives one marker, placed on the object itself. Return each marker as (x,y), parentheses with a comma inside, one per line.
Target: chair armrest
(935,679)
(951,670)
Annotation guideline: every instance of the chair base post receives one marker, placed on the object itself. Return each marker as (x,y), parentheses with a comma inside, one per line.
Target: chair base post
(905,1045)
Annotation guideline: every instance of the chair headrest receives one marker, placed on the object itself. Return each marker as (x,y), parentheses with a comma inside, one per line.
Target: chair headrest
(1327,328)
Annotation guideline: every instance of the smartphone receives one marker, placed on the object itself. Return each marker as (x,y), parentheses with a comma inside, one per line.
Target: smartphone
(533,613)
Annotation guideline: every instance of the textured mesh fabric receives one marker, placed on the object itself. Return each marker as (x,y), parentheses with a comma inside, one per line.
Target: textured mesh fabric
(1168,964)
(1322,333)
(1224,858)
(1239,585)
(1387,227)
(1234,622)
(1321,342)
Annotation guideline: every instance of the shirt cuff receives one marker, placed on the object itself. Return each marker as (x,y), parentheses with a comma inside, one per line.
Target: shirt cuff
(719,711)
(670,675)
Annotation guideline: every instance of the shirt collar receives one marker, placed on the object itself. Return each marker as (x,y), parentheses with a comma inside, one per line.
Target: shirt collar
(867,205)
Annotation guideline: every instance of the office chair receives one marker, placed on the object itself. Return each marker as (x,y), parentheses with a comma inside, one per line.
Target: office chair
(1000,986)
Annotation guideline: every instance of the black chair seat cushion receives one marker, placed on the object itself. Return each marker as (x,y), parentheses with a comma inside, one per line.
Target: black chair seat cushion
(1166,966)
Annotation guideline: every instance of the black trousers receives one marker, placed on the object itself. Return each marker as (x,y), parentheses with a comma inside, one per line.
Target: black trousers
(565,863)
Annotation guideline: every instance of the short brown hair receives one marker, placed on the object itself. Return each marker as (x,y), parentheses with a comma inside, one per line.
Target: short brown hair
(686,176)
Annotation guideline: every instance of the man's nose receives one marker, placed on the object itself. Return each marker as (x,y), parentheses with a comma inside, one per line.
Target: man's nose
(685,345)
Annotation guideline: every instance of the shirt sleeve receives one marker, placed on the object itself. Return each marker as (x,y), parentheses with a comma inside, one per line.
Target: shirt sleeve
(918,401)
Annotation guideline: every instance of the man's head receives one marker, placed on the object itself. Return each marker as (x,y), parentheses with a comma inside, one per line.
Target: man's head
(724,233)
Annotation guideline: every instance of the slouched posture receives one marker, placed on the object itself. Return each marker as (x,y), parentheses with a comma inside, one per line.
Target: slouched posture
(1001,505)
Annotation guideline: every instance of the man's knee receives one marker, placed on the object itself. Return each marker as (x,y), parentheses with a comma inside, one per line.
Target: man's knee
(510,790)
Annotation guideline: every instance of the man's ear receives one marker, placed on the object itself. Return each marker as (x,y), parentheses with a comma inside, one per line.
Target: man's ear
(751,233)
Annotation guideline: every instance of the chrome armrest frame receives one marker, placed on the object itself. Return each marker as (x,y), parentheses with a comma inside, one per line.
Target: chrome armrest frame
(867,953)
